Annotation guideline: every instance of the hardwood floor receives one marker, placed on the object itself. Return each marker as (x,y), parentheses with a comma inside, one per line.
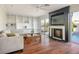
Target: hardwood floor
(53,47)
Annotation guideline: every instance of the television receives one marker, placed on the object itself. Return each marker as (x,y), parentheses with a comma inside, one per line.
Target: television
(58,18)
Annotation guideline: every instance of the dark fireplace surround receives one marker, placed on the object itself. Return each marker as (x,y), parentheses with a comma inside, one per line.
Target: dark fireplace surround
(59,27)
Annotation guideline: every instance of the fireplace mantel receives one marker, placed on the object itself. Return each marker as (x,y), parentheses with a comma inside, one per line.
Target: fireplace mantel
(58,28)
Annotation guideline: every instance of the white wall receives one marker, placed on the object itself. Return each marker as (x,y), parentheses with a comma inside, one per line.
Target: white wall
(2,18)
(74,8)
(11,20)
(19,22)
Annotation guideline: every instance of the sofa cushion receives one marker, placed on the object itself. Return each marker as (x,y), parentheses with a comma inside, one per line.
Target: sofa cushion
(10,34)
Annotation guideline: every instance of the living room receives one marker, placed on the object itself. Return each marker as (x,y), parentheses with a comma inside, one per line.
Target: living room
(25,28)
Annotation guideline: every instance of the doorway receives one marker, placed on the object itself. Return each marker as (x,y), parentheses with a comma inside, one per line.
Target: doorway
(45,26)
(75,27)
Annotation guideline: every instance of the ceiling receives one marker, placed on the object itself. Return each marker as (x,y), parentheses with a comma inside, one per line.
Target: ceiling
(32,9)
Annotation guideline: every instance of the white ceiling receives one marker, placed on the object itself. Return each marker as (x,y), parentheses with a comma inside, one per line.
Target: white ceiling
(32,9)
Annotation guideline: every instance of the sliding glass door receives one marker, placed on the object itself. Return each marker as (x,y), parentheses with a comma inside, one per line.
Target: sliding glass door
(75,27)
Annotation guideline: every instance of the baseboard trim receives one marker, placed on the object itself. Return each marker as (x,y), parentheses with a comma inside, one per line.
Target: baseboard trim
(21,50)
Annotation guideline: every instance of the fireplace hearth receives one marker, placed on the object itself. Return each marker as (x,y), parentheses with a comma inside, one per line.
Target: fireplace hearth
(57,32)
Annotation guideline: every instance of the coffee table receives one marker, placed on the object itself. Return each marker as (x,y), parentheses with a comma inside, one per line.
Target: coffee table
(32,38)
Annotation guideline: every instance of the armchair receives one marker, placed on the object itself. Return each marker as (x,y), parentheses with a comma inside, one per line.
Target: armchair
(11,44)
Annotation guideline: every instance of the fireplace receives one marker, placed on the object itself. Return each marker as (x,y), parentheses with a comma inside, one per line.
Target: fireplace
(57,32)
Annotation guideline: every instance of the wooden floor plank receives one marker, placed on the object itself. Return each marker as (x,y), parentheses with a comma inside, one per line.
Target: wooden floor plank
(54,47)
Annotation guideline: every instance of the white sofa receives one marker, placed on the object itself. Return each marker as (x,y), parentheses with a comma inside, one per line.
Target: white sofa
(11,44)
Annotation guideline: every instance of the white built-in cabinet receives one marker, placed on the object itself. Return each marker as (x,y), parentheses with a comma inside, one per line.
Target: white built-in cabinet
(24,23)
(19,22)
(37,25)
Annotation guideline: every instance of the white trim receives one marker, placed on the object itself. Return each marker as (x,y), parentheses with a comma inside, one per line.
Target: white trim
(59,27)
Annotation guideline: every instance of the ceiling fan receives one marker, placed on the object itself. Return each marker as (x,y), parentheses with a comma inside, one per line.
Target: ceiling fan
(42,5)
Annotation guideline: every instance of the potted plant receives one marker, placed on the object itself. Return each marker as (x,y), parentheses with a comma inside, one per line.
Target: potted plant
(73,26)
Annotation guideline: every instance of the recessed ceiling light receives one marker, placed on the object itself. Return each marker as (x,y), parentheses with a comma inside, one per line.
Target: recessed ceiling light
(46,4)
